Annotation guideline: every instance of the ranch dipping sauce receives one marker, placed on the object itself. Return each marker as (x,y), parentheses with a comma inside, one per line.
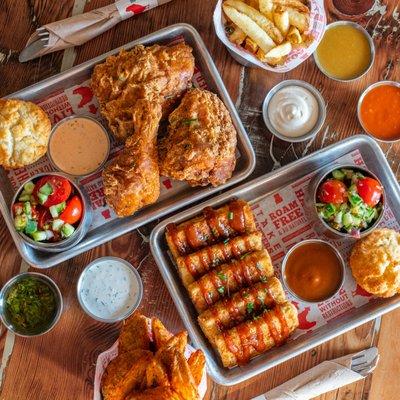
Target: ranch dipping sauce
(78,146)
(109,289)
(293,111)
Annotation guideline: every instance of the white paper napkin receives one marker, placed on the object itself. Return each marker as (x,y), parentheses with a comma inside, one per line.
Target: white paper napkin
(320,379)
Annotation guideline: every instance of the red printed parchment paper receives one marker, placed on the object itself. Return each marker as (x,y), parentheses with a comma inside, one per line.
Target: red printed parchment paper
(282,219)
(104,359)
(79,100)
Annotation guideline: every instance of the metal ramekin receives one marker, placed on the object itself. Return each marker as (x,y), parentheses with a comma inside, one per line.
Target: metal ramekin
(56,167)
(311,199)
(134,306)
(361,99)
(371,46)
(80,231)
(302,243)
(3,296)
(321,110)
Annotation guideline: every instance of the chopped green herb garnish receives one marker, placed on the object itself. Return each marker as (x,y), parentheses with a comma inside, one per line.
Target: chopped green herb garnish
(222,276)
(261,300)
(226,241)
(263,279)
(259,265)
(230,215)
(189,121)
(250,307)
(221,290)
(243,256)
(245,294)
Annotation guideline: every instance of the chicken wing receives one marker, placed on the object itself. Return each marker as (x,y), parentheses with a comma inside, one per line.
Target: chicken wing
(157,73)
(131,179)
(201,141)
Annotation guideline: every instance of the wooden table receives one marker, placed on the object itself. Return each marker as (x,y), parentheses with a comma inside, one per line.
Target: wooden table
(60,365)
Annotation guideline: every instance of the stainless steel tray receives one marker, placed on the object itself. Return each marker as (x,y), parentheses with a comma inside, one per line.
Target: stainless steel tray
(115,228)
(260,187)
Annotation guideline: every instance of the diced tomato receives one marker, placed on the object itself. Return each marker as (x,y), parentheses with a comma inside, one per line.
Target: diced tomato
(61,189)
(44,218)
(73,211)
(370,191)
(333,191)
(17,208)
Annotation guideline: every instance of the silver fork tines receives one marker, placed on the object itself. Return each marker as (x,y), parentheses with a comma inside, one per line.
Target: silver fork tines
(364,362)
(43,35)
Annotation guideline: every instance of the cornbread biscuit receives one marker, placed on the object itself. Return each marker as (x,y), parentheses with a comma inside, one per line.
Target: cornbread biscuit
(24,133)
(375,262)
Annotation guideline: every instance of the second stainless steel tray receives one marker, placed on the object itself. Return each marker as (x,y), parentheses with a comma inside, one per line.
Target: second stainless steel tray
(256,189)
(187,195)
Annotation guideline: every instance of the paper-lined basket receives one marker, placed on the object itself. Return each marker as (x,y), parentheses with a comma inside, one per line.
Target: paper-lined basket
(104,359)
(297,55)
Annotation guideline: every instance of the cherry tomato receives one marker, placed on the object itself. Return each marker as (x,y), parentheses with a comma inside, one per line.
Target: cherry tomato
(333,191)
(73,211)
(44,218)
(370,191)
(17,208)
(61,189)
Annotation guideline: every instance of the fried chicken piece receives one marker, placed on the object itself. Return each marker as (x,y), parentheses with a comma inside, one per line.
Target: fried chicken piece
(131,180)
(201,141)
(156,73)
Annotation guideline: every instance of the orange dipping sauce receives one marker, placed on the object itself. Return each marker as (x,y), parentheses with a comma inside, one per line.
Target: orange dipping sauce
(380,112)
(313,271)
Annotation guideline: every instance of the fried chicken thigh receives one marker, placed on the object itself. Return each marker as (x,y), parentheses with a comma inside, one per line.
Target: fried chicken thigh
(131,180)
(156,73)
(201,141)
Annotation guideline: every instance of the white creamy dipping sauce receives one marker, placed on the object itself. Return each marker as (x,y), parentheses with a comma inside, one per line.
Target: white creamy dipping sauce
(109,289)
(293,111)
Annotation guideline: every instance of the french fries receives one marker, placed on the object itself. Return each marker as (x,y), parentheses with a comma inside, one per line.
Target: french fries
(151,364)
(268,28)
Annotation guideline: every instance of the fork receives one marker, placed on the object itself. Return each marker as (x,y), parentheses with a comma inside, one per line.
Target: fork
(364,362)
(44,35)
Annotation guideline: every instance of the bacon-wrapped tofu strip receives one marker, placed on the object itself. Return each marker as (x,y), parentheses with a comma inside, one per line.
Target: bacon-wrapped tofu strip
(195,265)
(238,345)
(213,226)
(233,310)
(227,279)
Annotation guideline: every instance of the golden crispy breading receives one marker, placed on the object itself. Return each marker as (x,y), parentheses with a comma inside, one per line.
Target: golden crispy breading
(135,333)
(375,262)
(197,363)
(161,334)
(158,393)
(131,180)
(201,141)
(157,73)
(117,371)
(24,133)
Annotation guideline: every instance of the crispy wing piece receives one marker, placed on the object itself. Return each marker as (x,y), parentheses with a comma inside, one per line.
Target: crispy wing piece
(156,73)
(233,219)
(117,371)
(135,333)
(195,265)
(231,311)
(161,334)
(156,374)
(253,337)
(228,278)
(131,179)
(201,141)
(197,363)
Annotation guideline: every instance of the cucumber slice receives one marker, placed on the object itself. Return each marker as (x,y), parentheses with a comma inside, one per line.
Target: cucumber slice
(57,225)
(348,172)
(28,187)
(67,230)
(42,198)
(347,219)
(27,208)
(329,211)
(338,174)
(30,227)
(24,197)
(57,209)
(338,218)
(46,189)
(49,234)
(39,236)
(355,199)
(20,222)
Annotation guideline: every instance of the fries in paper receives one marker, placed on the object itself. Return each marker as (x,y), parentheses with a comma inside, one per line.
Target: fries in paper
(151,364)
(269,29)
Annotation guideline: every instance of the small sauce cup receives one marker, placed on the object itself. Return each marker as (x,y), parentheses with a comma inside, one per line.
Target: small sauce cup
(310,273)
(5,317)
(371,47)
(321,110)
(60,138)
(101,298)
